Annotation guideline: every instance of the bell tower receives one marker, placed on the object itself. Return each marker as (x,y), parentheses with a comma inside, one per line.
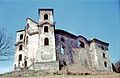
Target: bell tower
(46,15)
(46,36)
(46,54)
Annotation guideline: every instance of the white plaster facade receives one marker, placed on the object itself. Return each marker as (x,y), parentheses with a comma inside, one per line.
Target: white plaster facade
(34,47)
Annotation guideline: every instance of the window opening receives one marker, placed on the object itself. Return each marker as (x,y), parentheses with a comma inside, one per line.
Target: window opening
(27,40)
(62,50)
(20,57)
(21,36)
(45,17)
(46,41)
(105,64)
(46,29)
(81,44)
(103,55)
(21,47)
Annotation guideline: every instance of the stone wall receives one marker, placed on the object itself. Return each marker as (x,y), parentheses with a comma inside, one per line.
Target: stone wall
(100,56)
(73,53)
(67,44)
(81,57)
(51,66)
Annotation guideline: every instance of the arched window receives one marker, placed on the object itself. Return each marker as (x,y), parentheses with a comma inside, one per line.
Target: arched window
(21,36)
(21,47)
(81,44)
(62,50)
(46,29)
(62,39)
(46,41)
(105,64)
(103,55)
(45,17)
(20,57)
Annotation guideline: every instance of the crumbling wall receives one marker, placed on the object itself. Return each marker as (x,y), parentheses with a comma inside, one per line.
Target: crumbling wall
(74,53)
(80,56)
(67,44)
(100,56)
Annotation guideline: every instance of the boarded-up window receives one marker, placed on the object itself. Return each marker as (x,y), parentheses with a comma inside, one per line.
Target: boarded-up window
(46,42)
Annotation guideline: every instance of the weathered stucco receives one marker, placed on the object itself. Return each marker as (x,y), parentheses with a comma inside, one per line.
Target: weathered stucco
(62,48)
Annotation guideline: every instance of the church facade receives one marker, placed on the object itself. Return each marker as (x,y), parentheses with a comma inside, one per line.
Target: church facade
(39,46)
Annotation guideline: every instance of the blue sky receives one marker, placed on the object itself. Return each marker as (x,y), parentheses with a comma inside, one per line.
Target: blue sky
(90,18)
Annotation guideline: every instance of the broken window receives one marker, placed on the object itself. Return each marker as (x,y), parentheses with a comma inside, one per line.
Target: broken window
(105,64)
(45,17)
(21,36)
(46,41)
(62,50)
(81,44)
(20,57)
(103,55)
(46,29)
(21,47)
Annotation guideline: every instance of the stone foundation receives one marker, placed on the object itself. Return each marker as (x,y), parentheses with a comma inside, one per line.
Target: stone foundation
(52,66)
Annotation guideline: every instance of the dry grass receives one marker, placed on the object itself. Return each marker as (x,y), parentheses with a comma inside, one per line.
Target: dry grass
(72,76)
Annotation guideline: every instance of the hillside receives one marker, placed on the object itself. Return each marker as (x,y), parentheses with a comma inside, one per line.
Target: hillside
(67,72)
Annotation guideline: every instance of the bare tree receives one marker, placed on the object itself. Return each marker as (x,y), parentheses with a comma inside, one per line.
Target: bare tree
(117,66)
(5,44)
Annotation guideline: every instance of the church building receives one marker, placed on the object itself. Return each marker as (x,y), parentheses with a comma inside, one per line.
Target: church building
(39,46)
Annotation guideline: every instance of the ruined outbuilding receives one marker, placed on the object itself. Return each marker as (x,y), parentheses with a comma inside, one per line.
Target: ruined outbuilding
(42,47)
